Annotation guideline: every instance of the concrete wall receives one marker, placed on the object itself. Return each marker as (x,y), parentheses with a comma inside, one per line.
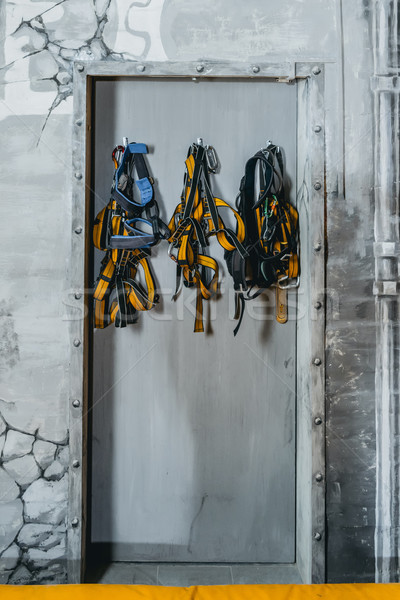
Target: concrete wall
(40,42)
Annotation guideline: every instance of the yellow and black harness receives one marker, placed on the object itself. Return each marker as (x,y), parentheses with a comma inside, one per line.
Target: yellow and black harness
(271,225)
(195,220)
(126,284)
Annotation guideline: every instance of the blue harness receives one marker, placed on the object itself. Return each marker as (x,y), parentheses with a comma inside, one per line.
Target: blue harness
(123,192)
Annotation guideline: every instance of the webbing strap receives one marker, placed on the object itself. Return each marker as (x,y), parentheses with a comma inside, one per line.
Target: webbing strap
(271,229)
(133,156)
(118,230)
(194,221)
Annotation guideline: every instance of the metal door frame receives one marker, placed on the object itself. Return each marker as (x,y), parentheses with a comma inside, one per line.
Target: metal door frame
(311,176)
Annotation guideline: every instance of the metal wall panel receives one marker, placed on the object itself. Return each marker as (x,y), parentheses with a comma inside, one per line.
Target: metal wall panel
(194,434)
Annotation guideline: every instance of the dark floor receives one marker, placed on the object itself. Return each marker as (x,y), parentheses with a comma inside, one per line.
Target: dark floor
(172,574)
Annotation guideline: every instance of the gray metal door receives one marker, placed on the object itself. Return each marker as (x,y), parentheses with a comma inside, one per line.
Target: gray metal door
(194,434)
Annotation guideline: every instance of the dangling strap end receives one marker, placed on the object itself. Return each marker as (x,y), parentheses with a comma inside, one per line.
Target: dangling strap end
(239,312)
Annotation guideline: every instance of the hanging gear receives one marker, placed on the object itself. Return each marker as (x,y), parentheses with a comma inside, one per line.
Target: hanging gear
(195,220)
(271,234)
(126,236)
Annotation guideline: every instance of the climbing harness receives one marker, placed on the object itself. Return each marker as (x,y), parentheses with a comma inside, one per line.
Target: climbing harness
(125,230)
(271,240)
(261,253)
(195,220)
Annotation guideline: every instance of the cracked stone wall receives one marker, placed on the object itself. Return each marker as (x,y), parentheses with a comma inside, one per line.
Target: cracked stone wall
(41,39)
(33,507)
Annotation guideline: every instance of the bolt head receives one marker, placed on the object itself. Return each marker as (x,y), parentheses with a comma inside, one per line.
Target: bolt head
(78,229)
(317,129)
(200,68)
(318,421)
(77,342)
(76,463)
(316,70)
(78,122)
(317,362)
(317,246)
(75,522)
(255,69)
(78,296)
(141,68)
(76,403)
(318,477)
(317,185)
(80,68)
(78,175)
(318,305)
(317,536)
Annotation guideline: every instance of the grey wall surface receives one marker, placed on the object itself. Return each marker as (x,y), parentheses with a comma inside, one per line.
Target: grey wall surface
(40,42)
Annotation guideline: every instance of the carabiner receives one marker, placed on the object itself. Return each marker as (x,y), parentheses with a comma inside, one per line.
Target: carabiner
(170,248)
(212,160)
(117,155)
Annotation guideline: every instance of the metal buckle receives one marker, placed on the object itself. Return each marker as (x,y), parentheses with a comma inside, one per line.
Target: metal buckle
(289,286)
(241,289)
(170,248)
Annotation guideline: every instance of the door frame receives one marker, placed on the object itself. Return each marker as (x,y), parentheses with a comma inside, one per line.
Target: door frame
(311,194)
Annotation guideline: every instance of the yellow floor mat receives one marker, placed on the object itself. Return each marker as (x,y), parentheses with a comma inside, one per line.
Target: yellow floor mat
(369,591)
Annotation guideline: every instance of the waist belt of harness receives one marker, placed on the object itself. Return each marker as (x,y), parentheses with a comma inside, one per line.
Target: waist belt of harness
(136,238)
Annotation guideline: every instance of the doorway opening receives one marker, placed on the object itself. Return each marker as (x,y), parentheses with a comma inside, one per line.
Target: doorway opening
(202,447)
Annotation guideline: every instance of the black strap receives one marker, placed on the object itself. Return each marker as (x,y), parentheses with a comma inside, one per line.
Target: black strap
(140,164)
(194,183)
(239,312)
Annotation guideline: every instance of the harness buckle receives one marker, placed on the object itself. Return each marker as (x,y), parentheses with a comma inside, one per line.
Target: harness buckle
(289,286)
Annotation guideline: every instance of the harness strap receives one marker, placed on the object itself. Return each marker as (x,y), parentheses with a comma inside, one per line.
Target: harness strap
(271,231)
(125,236)
(132,156)
(195,220)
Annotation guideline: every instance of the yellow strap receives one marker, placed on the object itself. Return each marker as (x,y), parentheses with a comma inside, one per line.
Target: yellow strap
(221,235)
(113,311)
(100,223)
(103,283)
(281,305)
(101,320)
(187,257)
(185,251)
(293,269)
(98,228)
(198,323)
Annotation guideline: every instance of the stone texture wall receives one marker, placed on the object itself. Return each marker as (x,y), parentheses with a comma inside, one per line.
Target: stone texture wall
(33,507)
(40,41)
